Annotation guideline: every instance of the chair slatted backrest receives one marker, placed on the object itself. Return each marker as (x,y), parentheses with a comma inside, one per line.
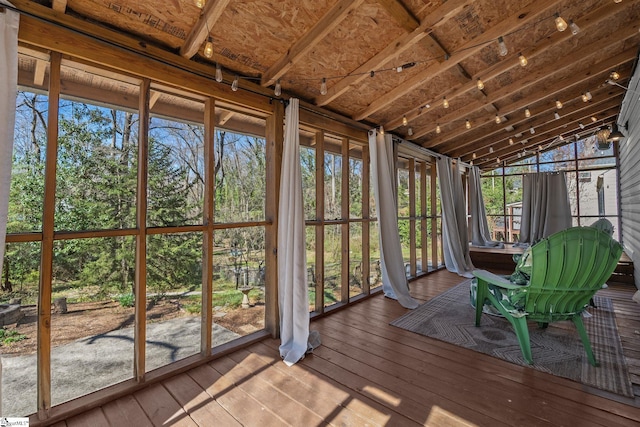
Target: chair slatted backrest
(568,267)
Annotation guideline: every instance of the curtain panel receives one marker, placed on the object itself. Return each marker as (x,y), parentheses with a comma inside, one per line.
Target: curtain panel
(293,298)
(394,279)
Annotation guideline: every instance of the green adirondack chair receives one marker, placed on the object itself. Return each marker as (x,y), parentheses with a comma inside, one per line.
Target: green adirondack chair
(566,270)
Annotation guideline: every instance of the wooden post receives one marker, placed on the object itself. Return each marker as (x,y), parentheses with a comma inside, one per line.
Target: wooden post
(344,210)
(208,219)
(320,218)
(366,224)
(412,217)
(46,251)
(274,141)
(140,333)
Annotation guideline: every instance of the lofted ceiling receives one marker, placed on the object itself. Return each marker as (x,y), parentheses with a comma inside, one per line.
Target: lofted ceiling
(392,63)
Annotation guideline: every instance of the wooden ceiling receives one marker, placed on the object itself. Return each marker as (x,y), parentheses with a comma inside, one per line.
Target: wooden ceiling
(385,61)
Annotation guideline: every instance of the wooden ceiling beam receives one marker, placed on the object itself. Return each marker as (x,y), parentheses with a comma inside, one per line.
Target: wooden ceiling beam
(39,72)
(302,46)
(210,14)
(441,15)
(549,93)
(579,114)
(524,125)
(59,5)
(597,16)
(524,16)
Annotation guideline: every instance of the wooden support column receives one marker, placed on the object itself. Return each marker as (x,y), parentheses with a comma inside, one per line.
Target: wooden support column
(344,210)
(366,224)
(320,218)
(423,217)
(46,250)
(208,218)
(274,141)
(412,216)
(140,332)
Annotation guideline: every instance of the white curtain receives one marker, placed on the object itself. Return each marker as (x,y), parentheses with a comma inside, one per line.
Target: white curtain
(8,91)
(455,240)
(545,206)
(480,234)
(292,259)
(394,279)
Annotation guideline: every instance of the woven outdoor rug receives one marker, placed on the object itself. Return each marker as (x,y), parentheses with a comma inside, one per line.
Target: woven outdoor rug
(557,349)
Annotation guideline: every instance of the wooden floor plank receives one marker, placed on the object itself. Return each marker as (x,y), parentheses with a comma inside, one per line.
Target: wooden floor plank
(94,418)
(200,406)
(161,408)
(126,411)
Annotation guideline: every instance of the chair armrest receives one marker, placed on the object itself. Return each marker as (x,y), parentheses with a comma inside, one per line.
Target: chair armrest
(496,280)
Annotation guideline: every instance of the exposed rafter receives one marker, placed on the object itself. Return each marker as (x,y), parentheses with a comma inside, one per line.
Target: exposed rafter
(524,16)
(210,14)
(324,26)
(59,5)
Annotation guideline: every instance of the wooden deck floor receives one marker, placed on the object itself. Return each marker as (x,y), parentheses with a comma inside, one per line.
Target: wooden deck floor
(369,373)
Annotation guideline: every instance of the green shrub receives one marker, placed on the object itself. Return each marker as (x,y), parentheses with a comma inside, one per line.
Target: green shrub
(126,300)
(8,337)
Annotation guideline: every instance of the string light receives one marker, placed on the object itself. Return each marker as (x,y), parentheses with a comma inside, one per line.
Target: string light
(410,131)
(588,94)
(523,60)
(532,130)
(614,75)
(617,1)
(498,160)
(278,89)
(234,85)
(473,155)
(491,149)
(510,141)
(323,86)
(467,124)
(405,121)
(574,27)
(438,130)
(199,3)
(208,47)
(558,104)
(527,112)
(445,103)
(556,115)
(502,47)
(584,97)
(498,121)
(561,24)
(218,73)
(480,84)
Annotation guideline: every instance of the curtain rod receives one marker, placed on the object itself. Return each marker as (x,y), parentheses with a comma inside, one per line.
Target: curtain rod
(419,148)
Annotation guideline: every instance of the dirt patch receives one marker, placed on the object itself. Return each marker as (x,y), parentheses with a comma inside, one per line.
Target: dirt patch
(95,318)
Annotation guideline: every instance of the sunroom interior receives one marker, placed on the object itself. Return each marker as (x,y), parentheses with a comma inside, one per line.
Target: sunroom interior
(143,181)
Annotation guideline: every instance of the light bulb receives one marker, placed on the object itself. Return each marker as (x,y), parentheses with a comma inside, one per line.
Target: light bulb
(561,24)
(445,103)
(617,1)
(556,115)
(218,73)
(323,87)
(474,155)
(581,125)
(278,89)
(471,162)
(498,160)
(523,60)
(594,119)
(208,48)
(558,104)
(234,85)
(199,3)
(438,130)
(510,141)
(480,84)
(404,121)
(584,97)
(467,124)
(502,47)
(561,138)
(614,75)
(527,112)
(410,131)
(532,130)
(498,121)
(490,150)
(574,27)
(589,97)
